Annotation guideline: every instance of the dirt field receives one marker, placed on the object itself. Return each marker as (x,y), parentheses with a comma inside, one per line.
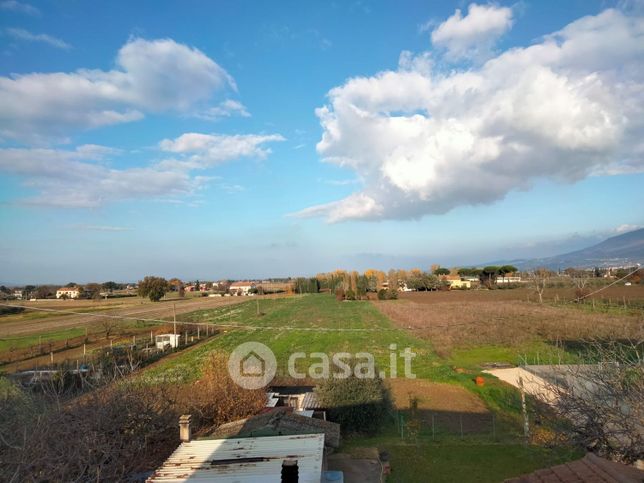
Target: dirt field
(457,319)
(450,407)
(24,324)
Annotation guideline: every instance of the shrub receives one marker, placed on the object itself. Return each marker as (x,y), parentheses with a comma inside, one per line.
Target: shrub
(351,295)
(382,294)
(339,294)
(392,294)
(359,405)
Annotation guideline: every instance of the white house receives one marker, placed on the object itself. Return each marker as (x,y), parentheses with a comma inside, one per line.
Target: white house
(241,288)
(68,292)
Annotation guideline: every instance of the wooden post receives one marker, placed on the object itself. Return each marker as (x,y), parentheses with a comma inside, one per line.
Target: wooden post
(151,338)
(84,350)
(524,411)
(51,357)
(198,332)
(433,428)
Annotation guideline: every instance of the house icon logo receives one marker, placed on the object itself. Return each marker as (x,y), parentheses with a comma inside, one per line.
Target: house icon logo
(252,365)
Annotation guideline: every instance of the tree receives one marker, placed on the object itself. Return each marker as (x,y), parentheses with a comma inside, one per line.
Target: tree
(488,275)
(539,279)
(93,291)
(358,404)
(505,269)
(111,286)
(153,287)
(71,285)
(441,271)
(599,405)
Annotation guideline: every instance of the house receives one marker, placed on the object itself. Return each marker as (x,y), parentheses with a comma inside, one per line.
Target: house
(456,282)
(246,460)
(17,294)
(68,292)
(241,288)
(508,280)
(589,468)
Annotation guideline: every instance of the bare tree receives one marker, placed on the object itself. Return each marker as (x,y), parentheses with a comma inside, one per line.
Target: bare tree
(599,405)
(539,279)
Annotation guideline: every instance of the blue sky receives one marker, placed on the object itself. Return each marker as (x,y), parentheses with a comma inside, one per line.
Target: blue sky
(254,139)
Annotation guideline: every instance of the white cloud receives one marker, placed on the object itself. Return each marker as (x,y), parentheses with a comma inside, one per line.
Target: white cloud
(19,7)
(74,178)
(473,35)
(22,34)
(625,228)
(426,142)
(197,150)
(82,178)
(150,76)
(227,108)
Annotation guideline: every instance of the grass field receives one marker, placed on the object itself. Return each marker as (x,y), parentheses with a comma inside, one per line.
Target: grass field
(480,456)
(361,328)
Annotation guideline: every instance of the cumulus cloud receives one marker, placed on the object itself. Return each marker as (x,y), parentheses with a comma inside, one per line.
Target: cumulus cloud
(22,34)
(425,142)
(473,35)
(150,76)
(198,150)
(20,7)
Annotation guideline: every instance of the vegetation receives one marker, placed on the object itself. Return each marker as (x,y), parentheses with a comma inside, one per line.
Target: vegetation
(360,405)
(153,287)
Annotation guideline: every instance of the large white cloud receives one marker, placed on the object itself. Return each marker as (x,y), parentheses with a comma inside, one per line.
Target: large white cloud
(423,142)
(473,35)
(150,76)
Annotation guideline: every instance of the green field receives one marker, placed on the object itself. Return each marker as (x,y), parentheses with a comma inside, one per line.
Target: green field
(45,337)
(280,326)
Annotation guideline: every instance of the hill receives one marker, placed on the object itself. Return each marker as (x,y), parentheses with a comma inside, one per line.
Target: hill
(621,250)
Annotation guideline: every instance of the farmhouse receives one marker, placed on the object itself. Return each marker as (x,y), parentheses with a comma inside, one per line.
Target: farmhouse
(241,288)
(456,282)
(68,292)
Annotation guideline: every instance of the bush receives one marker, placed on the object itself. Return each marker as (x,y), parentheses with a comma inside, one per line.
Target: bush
(351,295)
(392,294)
(359,405)
(382,294)
(339,294)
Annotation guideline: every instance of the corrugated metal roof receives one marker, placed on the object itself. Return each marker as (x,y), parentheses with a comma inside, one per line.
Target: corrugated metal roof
(310,401)
(243,460)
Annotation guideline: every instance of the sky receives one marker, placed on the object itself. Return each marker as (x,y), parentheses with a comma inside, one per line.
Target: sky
(266,139)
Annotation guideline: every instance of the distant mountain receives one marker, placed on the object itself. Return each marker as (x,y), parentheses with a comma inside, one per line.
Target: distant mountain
(617,251)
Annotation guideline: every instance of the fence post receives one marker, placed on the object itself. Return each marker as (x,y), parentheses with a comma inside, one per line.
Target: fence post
(433,429)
